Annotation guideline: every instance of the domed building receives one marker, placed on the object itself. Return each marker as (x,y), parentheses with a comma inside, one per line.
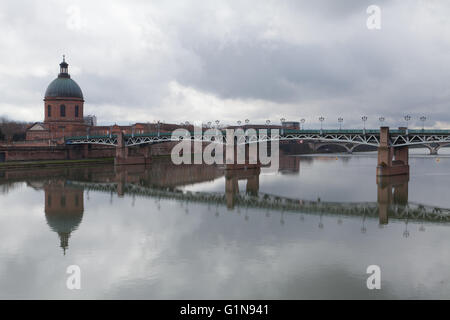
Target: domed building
(63,109)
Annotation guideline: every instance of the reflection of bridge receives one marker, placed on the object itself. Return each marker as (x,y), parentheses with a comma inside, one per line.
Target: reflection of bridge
(64,193)
(393,206)
(392,144)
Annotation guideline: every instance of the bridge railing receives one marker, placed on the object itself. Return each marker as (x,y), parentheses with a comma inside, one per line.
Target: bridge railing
(282,132)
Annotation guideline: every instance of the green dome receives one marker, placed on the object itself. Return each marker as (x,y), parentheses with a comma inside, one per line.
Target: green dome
(63,87)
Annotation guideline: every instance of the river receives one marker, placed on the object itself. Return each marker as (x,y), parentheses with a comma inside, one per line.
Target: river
(308,231)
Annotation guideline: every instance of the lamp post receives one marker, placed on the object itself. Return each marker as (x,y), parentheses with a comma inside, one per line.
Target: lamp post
(340,120)
(282,120)
(381,119)
(423,119)
(267,122)
(239,122)
(302,121)
(217,126)
(407,118)
(247,121)
(364,119)
(321,119)
(209,124)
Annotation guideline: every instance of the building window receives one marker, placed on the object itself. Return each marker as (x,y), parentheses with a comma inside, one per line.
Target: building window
(76,111)
(49,111)
(62,110)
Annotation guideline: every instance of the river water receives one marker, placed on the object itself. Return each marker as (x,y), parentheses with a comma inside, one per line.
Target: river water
(308,231)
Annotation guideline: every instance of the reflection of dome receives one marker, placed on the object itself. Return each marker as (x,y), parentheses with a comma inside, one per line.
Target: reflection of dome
(63,86)
(64,223)
(63,210)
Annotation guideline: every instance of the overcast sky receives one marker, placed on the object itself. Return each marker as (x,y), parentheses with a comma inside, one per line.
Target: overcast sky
(139,61)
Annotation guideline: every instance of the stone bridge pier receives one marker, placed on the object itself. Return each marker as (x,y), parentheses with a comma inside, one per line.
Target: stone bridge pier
(391,190)
(237,157)
(125,157)
(315,146)
(232,178)
(391,161)
(435,148)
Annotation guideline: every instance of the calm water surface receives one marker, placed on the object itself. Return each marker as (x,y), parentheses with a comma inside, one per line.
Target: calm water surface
(193,232)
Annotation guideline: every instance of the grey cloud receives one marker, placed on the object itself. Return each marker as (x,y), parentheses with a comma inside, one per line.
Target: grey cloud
(314,57)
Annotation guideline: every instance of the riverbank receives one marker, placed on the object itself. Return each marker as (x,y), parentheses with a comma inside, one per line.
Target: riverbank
(54,163)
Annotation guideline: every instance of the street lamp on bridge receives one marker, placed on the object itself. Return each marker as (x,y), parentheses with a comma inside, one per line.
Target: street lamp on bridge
(239,122)
(364,119)
(381,119)
(321,119)
(340,120)
(267,122)
(407,118)
(247,121)
(423,119)
(302,121)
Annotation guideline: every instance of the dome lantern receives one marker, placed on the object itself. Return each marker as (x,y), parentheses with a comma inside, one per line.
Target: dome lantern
(64,69)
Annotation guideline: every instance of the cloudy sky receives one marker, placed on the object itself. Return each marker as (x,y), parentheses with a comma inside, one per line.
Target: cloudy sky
(139,61)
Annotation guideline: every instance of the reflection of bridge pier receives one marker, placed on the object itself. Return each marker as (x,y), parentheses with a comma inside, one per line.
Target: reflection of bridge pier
(128,174)
(232,178)
(391,190)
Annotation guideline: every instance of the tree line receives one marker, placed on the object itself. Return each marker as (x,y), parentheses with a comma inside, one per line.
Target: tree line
(11,130)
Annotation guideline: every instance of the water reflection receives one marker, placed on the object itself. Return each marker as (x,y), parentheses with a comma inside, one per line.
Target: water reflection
(65,188)
(169,231)
(64,207)
(391,191)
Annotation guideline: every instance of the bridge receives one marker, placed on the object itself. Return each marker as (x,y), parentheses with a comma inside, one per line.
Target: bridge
(392,144)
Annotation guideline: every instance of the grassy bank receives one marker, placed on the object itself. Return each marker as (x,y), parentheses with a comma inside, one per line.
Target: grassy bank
(55,163)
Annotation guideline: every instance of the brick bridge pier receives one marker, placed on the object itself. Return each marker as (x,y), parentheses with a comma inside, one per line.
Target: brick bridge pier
(391,161)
